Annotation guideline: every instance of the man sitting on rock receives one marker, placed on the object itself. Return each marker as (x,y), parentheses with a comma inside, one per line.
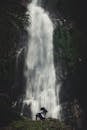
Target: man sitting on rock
(42,114)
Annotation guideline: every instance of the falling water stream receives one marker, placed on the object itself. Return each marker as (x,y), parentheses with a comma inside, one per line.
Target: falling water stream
(40,73)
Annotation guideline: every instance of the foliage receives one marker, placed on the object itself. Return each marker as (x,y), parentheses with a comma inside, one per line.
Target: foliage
(49,124)
(66,47)
(13,22)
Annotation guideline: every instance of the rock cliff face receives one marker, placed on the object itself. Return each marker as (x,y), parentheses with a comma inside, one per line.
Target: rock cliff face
(74,10)
(13,39)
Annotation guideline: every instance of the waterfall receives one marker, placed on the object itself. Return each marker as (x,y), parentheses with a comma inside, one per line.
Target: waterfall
(41,86)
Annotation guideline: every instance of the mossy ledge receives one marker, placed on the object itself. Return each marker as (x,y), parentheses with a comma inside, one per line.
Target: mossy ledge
(26,124)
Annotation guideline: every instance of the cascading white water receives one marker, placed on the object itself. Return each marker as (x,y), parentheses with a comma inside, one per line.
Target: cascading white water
(40,72)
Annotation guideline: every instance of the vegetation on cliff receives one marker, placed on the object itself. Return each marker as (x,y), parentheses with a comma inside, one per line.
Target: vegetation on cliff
(49,124)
